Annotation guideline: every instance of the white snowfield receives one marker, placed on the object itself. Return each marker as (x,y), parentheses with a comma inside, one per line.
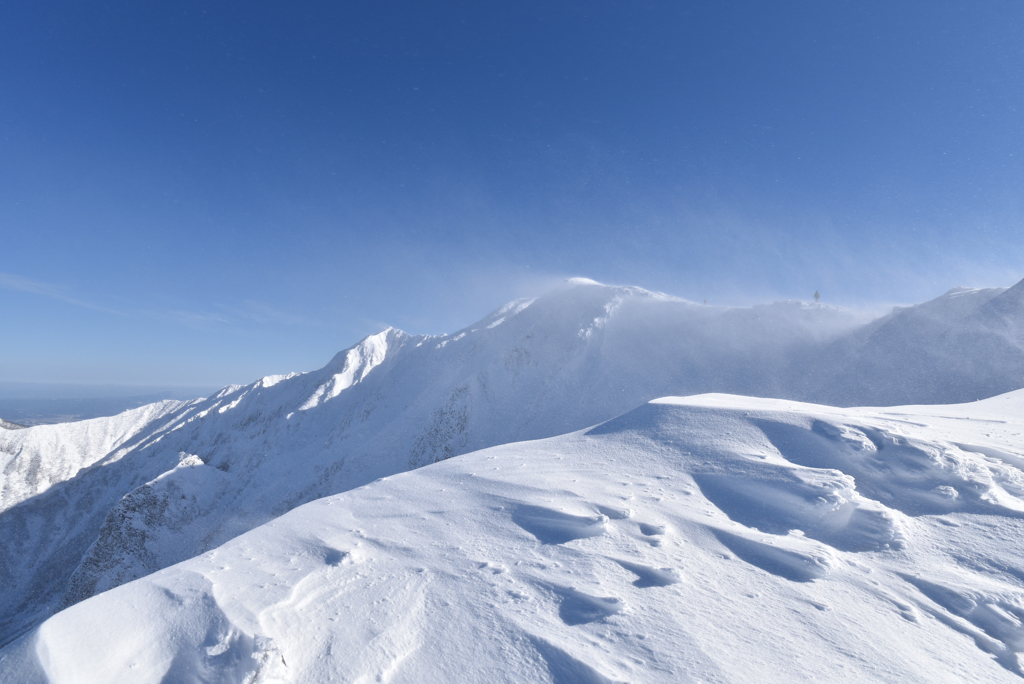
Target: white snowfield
(85,507)
(713,538)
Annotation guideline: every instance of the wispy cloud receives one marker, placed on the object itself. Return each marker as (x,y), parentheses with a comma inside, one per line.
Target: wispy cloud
(10,281)
(258,312)
(192,319)
(247,312)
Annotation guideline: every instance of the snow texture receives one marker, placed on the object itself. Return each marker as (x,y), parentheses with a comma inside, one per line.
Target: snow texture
(708,538)
(85,507)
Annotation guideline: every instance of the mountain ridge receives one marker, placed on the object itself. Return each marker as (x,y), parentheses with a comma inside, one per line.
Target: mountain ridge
(531,369)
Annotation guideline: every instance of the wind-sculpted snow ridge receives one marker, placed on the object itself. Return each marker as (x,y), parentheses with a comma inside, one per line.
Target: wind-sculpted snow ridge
(203,472)
(710,538)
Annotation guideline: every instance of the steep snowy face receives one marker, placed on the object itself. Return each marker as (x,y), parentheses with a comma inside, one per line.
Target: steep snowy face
(532,369)
(709,538)
(350,367)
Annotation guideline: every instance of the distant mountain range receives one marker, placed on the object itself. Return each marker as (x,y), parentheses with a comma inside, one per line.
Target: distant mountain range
(88,506)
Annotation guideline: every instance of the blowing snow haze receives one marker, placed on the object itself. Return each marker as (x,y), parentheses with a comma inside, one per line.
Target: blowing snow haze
(803,462)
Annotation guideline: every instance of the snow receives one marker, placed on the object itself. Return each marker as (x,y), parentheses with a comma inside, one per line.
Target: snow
(354,367)
(33,460)
(703,538)
(150,528)
(271,380)
(967,344)
(106,507)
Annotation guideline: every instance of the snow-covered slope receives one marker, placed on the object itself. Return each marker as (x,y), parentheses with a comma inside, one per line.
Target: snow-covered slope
(710,538)
(573,358)
(965,345)
(33,460)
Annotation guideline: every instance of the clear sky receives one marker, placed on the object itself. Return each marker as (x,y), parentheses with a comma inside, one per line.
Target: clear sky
(207,192)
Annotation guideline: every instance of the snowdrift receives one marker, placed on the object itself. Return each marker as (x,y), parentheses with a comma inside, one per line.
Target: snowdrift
(709,538)
(85,507)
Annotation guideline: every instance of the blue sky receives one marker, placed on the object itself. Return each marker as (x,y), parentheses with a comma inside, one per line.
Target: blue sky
(203,193)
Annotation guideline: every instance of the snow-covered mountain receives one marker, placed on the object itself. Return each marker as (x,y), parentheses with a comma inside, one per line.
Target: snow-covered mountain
(33,460)
(113,508)
(966,345)
(709,538)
